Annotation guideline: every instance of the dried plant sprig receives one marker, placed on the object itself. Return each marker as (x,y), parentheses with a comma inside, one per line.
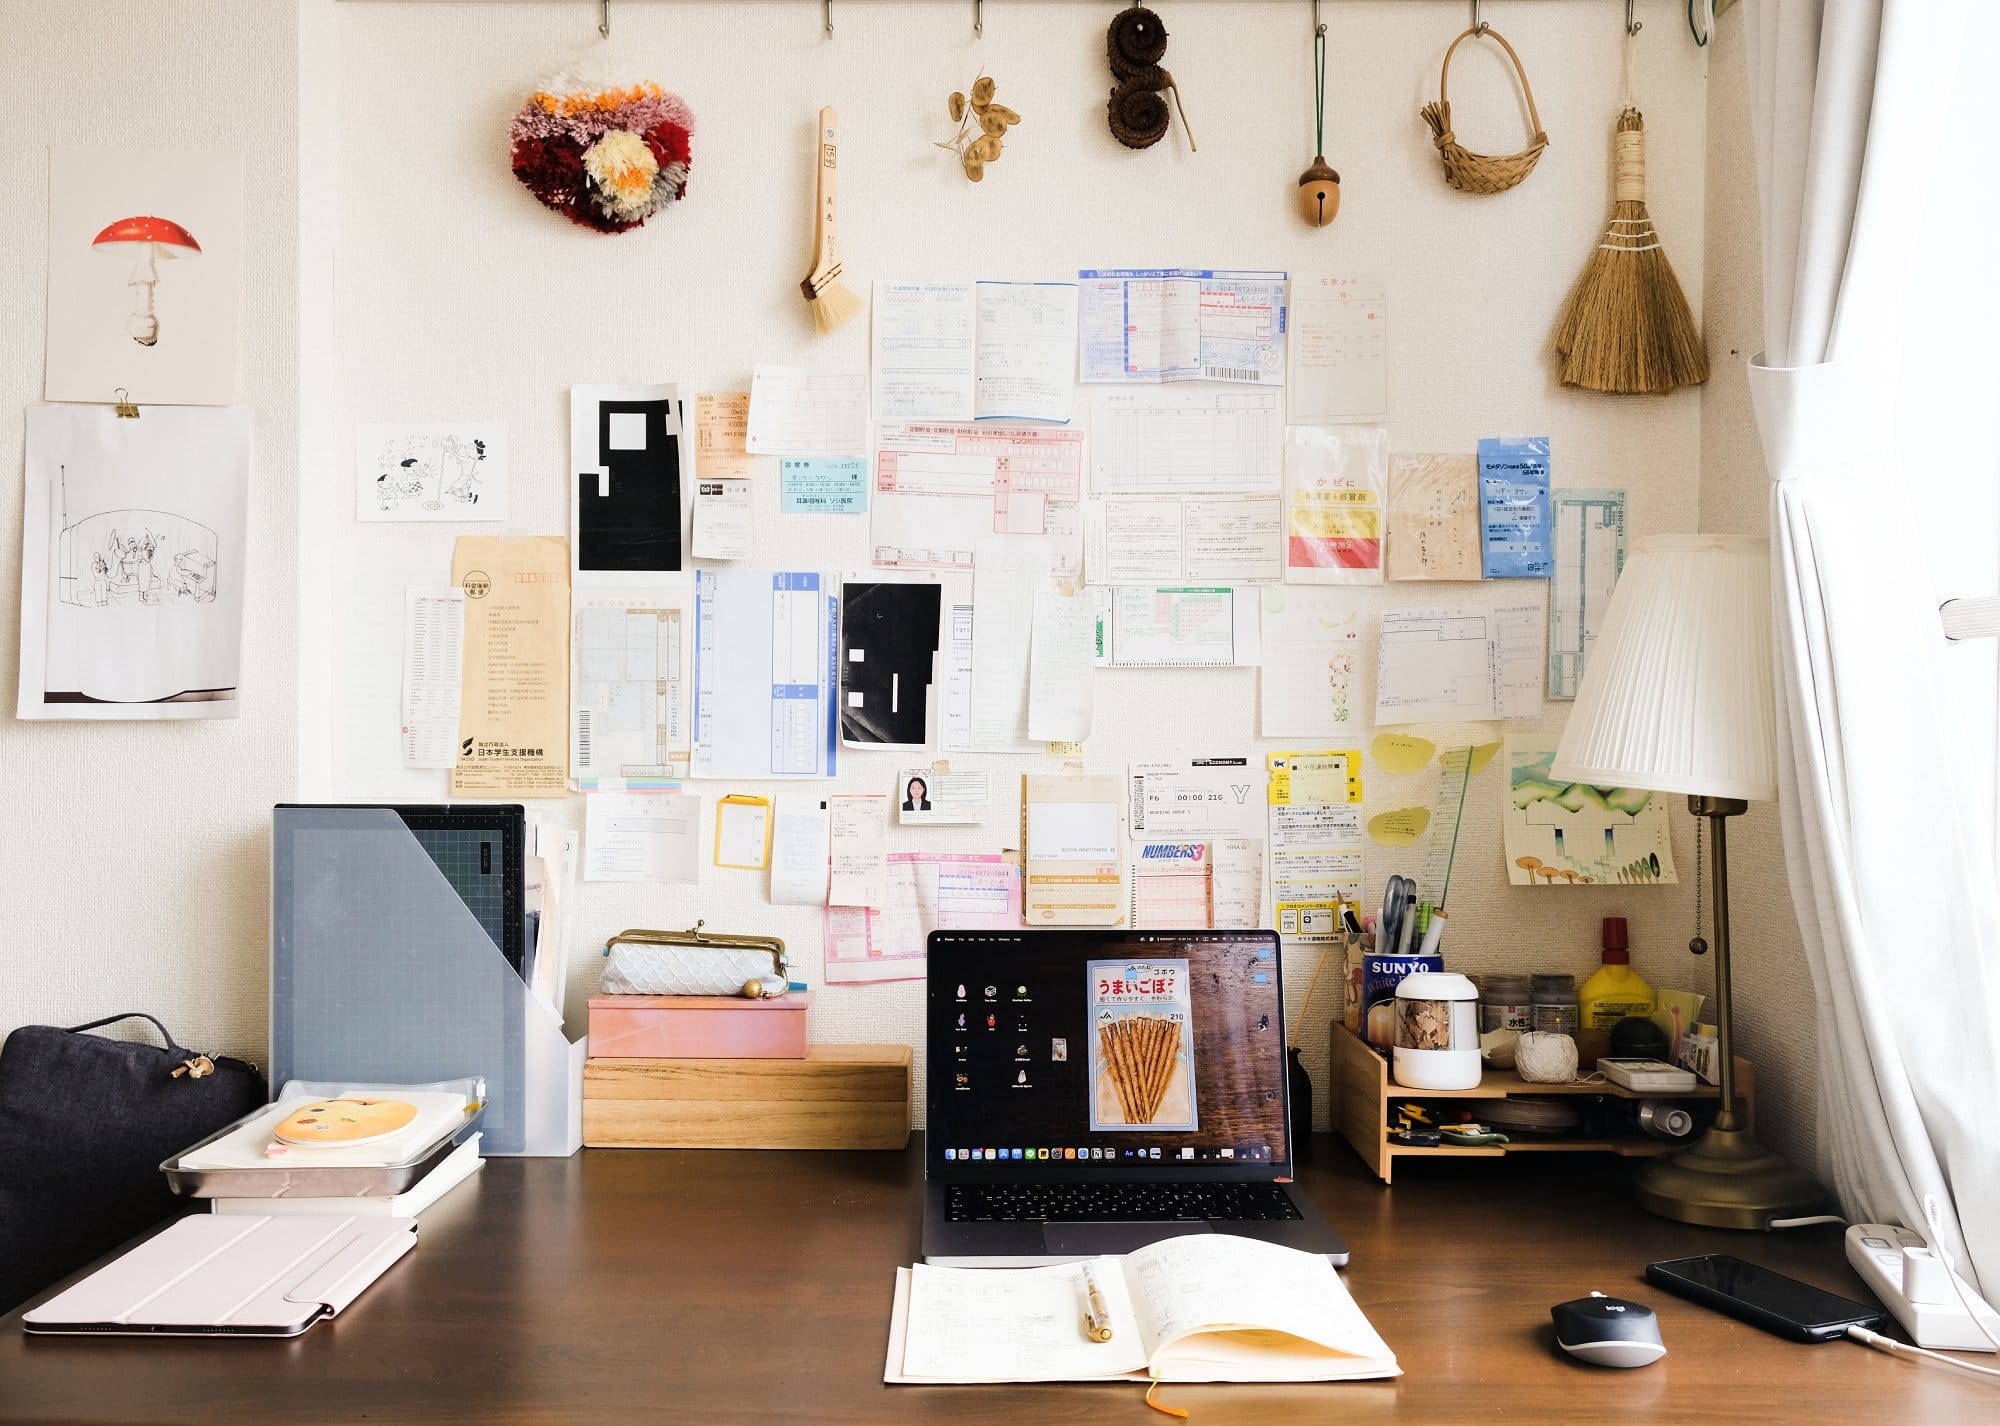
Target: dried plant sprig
(981,126)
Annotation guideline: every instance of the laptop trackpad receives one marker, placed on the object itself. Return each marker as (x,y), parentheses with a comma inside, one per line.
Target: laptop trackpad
(1093,1239)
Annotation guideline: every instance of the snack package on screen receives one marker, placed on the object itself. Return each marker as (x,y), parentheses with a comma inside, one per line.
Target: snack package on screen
(1141,1047)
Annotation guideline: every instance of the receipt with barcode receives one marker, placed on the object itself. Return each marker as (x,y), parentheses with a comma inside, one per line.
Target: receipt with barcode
(1182,324)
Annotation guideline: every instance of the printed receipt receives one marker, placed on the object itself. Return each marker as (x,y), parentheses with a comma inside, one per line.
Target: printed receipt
(513,724)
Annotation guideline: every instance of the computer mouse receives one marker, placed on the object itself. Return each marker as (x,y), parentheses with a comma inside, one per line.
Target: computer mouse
(1608,1331)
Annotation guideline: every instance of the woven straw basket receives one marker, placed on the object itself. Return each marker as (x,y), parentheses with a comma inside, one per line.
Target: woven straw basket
(1471,172)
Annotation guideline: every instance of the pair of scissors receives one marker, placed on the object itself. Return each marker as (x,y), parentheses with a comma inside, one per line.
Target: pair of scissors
(1395,906)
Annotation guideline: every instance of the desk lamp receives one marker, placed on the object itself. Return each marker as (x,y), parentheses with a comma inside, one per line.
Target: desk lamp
(1677,697)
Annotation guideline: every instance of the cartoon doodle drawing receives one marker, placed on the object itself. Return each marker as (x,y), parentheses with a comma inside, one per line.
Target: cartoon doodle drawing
(425,463)
(144,557)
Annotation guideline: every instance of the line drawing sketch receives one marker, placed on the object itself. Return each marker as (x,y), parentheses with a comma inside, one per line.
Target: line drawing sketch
(134,557)
(430,470)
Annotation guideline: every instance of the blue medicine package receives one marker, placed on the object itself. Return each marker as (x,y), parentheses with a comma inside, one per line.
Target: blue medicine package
(1516,533)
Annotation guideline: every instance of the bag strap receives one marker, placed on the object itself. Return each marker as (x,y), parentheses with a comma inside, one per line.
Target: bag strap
(1527,89)
(128,1015)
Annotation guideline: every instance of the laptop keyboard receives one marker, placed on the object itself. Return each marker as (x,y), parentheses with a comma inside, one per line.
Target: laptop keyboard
(1116,1202)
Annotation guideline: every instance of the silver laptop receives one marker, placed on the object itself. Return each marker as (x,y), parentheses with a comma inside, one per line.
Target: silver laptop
(1094,1091)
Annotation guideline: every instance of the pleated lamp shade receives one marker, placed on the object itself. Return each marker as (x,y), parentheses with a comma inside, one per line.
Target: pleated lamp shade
(1677,693)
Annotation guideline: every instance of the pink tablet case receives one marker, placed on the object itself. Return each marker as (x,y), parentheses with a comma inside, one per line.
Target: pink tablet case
(231,1276)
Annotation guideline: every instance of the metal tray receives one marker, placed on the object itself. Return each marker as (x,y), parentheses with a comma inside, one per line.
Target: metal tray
(307,1181)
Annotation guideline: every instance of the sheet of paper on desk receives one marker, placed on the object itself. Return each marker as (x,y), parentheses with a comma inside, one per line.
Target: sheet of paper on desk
(799,850)
(1181,324)
(1027,351)
(721,421)
(430,470)
(858,833)
(1314,647)
(967,1325)
(760,715)
(433,667)
(950,798)
(631,489)
(1177,627)
(1434,517)
(1003,593)
(1460,664)
(1590,555)
(1335,480)
(1184,539)
(1062,666)
(955,728)
(632,663)
(1315,841)
(513,717)
(924,892)
(1516,531)
(1562,833)
(889,644)
(722,520)
(940,491)
(1340,351)
(642,836)
(794,412)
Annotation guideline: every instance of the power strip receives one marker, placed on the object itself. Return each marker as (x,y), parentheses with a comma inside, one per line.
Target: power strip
(1914,1284)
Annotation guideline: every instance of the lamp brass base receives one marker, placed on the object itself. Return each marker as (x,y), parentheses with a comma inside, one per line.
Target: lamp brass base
(1725,1180)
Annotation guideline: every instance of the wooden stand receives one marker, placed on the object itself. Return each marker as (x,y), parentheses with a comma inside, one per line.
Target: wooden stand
(1363,1092)
(837,1097)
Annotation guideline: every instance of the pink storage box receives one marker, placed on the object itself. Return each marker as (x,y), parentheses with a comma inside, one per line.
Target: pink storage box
(698,1027)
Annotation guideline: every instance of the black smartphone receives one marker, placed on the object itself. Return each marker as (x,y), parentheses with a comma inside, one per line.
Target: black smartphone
(1762,1298)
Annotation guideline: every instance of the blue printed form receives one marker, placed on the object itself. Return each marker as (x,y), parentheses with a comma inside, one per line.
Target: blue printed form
(765,672)
(1181,324)
(1516,533)
(823,485)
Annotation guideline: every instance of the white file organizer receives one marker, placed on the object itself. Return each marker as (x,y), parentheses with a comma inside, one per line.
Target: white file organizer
(381,973)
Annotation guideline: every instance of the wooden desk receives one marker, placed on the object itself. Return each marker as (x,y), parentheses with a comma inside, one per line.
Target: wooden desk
(731,1287)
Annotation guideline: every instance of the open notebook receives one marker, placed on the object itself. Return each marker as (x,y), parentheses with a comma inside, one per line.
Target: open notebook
(1200,1308)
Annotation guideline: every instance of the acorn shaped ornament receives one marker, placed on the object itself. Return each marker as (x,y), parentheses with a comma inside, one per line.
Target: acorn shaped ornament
(1319,192)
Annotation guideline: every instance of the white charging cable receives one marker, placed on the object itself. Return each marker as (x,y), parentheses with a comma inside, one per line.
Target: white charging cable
(1880,1343)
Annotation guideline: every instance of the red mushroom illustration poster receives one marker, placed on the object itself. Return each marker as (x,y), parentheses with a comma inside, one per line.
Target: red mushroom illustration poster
(145,275)
(132,558)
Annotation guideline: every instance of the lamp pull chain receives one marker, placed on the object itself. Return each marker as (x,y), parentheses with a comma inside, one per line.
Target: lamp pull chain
(1697,943)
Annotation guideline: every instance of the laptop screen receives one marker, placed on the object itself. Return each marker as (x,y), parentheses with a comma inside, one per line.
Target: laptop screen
(1108,1054)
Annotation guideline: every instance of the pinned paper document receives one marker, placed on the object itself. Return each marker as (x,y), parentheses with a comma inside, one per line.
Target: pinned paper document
(962,351)
(1340,351)
(1335,479)
(858,836)
(743,832)
(1073,835)
(1460,664)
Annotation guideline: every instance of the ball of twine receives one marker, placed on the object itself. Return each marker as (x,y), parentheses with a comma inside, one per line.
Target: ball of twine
(1545,1058)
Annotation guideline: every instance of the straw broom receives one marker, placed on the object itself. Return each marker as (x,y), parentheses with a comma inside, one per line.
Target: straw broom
(1627,327)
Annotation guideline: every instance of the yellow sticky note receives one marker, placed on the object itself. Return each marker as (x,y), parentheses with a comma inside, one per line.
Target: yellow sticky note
(1403,753)
(1452,759)
(1401,827)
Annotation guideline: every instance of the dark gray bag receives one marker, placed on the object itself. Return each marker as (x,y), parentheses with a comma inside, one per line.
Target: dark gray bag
(85,1123)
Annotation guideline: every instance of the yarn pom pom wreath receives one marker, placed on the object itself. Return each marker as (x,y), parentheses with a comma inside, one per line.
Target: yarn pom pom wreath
(607,157)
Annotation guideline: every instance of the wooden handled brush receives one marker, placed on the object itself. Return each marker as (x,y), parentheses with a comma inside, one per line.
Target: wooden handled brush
(830,300)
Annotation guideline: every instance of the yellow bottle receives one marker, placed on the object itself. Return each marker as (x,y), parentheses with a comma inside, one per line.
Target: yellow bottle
(1611,994)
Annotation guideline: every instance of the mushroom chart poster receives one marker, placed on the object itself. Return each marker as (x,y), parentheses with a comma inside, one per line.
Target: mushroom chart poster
(132,563)
(145,275)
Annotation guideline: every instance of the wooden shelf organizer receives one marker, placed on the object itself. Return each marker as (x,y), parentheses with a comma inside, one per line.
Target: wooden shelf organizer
(1363,1092)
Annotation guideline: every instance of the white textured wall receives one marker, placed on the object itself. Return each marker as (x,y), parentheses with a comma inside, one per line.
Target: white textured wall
(133,867)
(458,295)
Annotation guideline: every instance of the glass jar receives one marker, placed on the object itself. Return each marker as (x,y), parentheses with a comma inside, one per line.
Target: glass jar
(1553,1004)
(1504,1003)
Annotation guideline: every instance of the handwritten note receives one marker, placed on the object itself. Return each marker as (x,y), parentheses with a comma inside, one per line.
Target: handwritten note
(1434,517)
(1340,351)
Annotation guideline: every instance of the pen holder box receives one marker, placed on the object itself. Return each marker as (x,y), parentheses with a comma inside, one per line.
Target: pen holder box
(837,1097)
(698,1027)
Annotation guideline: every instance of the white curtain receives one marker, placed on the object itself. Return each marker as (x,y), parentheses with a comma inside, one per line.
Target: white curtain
(1884,834)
